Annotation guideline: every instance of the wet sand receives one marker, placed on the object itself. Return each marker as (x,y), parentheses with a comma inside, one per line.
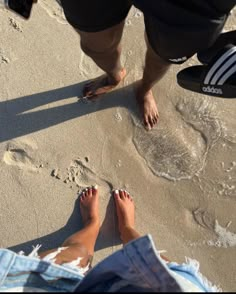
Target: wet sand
(182,174)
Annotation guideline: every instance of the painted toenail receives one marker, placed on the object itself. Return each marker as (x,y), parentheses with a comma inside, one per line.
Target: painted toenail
(116,192)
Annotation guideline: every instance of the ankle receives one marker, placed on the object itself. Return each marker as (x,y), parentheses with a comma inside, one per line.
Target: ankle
(143,88)
(92,221)
(116,75)
(129,234)
(124,230)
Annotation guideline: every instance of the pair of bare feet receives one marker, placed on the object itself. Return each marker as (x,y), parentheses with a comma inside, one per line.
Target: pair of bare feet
(82,243)
(144,97)
(89,207)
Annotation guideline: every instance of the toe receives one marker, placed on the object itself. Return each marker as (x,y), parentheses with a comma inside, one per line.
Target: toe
(85,91)
(125,193)
(116,194)
(121,193)
(154,121)
(146,123)
(156,117)
(88,93)
(128,196)
(90,191)
(94,190)
(86,192)
(150,122)
(82,196)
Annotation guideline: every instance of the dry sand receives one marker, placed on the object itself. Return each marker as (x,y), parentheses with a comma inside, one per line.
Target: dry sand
(182,174)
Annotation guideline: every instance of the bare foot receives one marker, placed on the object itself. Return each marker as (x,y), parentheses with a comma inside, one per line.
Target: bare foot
(147,106)
(124,209)
(103,84)
(89,205)
(81,244)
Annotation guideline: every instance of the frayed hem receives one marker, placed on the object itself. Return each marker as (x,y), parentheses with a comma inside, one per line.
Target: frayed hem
(194,267)
(51,258)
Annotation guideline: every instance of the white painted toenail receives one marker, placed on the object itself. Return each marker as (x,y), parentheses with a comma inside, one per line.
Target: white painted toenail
(95,187)
(116,192)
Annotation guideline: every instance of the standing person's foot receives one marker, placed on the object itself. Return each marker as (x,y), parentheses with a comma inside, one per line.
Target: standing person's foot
(147,106)
(103,84)
(89,206)
(125,211)
(81,244)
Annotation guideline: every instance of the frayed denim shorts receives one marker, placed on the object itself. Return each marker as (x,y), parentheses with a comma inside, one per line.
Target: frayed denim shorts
(137,267)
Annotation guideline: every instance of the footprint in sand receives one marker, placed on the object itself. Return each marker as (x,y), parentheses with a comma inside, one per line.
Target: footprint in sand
(138,14)
(3,58)
(128,22)
(21,154)
(204,218)
(81,175)
(13,23)
(179,149)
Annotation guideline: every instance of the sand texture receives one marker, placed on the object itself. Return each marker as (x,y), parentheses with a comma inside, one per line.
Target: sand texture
(182,174)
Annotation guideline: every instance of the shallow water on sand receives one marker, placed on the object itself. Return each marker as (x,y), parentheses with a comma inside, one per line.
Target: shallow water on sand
(178,150)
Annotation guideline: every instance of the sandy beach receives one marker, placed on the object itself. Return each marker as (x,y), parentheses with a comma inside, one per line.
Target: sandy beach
(53,143)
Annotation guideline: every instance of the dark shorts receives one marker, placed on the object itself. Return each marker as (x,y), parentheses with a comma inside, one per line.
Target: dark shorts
(176,30)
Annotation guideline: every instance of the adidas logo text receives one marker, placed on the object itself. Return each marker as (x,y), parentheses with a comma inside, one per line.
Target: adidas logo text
(213,90)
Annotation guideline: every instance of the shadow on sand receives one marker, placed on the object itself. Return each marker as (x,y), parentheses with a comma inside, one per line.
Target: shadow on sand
(17,118)
(108,235)
(16,121)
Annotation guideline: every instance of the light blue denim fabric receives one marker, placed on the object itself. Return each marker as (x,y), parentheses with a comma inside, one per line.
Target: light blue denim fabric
(190,271)
(24,271)
(135,268)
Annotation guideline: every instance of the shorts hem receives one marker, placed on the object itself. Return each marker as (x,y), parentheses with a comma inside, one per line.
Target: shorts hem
(95,29)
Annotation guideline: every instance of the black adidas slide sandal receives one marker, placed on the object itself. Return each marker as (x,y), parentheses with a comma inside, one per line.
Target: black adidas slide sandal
(218,78)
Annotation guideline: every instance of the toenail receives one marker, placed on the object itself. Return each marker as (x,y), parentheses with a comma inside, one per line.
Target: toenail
(116,192)
(95,187)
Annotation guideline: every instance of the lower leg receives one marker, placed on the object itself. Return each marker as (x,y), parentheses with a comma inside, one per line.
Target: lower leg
(104,48)
(126,218)
(128,234)
(81,244)
(155,68)
(125,213)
